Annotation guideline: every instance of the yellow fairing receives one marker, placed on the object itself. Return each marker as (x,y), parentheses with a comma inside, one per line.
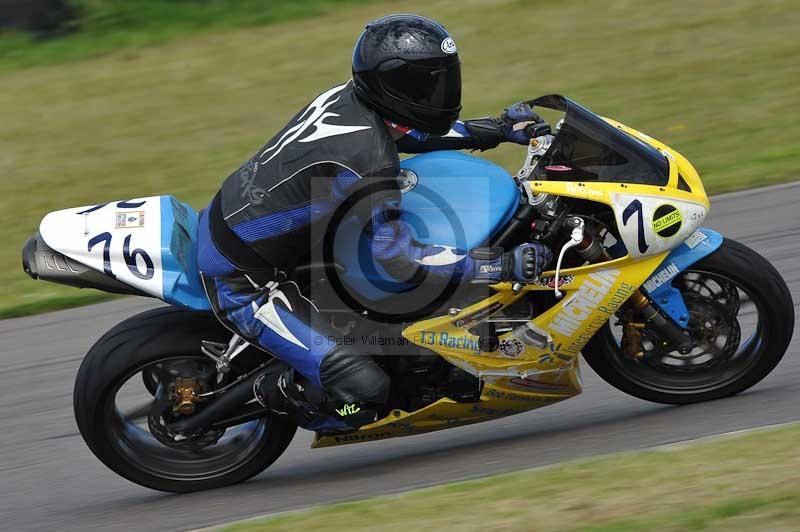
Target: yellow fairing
(525,374)
(683,193)
(679,166)
(517,377)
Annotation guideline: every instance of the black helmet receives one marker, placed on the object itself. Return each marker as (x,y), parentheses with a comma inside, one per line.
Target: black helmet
(406,68)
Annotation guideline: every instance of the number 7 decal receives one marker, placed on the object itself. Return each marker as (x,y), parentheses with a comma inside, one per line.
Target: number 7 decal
(104,237)
(634,207)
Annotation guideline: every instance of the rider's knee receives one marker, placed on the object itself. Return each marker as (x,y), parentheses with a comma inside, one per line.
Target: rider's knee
(354,378)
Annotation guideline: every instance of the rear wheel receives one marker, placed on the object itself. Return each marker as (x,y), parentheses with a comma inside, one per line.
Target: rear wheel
(741,318)
(125,396)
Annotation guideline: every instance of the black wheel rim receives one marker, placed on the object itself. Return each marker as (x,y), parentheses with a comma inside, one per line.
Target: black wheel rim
(726,320)
(131,437)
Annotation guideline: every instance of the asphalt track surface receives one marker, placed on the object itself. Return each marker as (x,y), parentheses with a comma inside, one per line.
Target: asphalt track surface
(50,481)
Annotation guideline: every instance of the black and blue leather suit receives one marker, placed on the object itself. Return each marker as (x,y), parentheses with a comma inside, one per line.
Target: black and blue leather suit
(272,211)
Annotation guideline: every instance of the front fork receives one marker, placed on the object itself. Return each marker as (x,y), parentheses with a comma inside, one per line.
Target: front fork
(661,305)
(671,317)
(637,313)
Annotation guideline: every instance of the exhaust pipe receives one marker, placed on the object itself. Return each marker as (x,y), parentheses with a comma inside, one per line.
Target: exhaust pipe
(42,262)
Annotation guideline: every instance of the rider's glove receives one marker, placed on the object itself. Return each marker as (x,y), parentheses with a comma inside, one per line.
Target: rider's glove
(523,264)
(517,124)
(520,124)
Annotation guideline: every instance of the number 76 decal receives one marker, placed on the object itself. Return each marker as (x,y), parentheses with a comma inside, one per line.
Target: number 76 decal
(127,254)
(633,208)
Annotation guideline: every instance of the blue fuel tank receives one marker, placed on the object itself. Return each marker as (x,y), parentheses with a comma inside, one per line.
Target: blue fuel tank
(450,198)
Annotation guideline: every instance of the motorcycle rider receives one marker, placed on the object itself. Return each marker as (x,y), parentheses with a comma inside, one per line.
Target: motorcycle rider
(404,96)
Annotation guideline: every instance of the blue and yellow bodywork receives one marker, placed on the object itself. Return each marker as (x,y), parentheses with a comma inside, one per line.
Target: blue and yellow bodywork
(521,376)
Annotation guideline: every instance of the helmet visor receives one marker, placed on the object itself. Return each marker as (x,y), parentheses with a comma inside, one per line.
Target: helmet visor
(435,84)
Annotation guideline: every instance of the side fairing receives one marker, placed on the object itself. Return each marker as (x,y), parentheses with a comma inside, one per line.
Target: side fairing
(181,278)
(649,225)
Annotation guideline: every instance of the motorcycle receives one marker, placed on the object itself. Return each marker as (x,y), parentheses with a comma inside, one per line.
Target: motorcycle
(660,307)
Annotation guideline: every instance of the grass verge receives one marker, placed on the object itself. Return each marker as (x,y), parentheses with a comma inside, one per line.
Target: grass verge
(103,26)
(84,297)
(717,81)
(741,483)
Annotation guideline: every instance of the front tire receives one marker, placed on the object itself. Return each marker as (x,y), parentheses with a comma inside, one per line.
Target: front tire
(151,338)
(735,268)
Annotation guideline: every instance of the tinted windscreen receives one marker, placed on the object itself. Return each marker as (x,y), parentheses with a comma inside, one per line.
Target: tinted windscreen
(587,148)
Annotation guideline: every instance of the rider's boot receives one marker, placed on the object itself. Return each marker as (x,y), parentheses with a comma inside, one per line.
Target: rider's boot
(287,392)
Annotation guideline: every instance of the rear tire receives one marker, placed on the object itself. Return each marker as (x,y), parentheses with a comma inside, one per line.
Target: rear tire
(131,345)
(752,274)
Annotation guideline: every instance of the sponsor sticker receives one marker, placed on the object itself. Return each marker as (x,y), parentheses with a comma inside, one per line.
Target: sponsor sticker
(661,277)
(695,239)
(348,409)
(511,396)
(579,189)
(588,297)
(527,383)
(465,342)
(449,46)
(129,220)
(511,347)
(667,220)
(51,262)
(550,282)
(361,437)
(490,268)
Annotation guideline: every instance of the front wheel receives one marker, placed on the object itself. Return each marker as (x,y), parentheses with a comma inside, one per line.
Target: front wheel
(128,383)
(741,318)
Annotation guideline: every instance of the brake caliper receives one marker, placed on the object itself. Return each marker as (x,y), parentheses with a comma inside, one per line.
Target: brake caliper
(184,395)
